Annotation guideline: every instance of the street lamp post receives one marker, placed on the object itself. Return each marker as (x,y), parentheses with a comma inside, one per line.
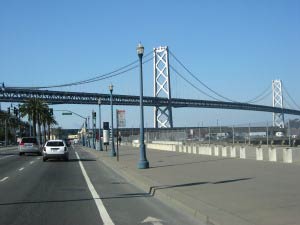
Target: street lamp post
(100,141)
(113,152)
(143,163)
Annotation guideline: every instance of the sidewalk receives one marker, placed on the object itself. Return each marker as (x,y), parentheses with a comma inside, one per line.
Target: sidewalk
(215,190)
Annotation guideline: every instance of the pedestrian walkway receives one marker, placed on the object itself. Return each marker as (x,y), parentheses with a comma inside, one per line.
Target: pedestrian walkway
(225,191)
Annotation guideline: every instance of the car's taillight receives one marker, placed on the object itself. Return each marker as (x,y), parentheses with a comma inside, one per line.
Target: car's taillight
(21,143)
(65,149)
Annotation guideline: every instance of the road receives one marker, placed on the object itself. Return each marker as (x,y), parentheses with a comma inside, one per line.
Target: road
(81,191)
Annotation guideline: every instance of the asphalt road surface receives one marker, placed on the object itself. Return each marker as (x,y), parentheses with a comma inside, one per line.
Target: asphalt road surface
(81,191)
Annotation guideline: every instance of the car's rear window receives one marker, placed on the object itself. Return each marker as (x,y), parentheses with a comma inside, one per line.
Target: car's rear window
(55,143)
(29,140)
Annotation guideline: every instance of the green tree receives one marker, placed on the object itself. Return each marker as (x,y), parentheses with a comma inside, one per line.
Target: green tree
(37,112)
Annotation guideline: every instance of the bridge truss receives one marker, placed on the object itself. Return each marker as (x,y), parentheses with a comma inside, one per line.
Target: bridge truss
(60,97)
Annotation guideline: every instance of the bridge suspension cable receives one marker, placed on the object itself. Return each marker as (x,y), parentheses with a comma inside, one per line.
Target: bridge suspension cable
(117,72)
(190,83)
(267,92)
(290,97)
(202,83)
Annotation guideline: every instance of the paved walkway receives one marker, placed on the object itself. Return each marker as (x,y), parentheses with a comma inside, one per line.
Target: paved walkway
(215,190)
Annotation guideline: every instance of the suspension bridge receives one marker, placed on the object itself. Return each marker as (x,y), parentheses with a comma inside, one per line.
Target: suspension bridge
(162,101)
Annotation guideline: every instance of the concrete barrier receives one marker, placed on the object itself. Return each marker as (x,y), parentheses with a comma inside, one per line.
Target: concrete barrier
(217,150)
(185,148)
(225,151)
(259,154)
(233,151)
(167,142)
(243,152)
(195,149)
(291,155)
(163,147)
(272,154)
(189,149)
(200,150)
(247,152)
(208,150)
(136,143)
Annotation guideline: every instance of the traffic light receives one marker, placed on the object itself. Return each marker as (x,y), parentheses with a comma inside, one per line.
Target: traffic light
(94,114)
(15,111)
(8,110)
(51,111)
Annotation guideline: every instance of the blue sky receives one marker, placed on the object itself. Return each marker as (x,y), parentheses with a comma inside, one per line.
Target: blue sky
(236,47)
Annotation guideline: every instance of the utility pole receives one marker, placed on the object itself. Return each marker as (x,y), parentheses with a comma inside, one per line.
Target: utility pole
(5,132)
(233,135)
(249,134)
(267,134)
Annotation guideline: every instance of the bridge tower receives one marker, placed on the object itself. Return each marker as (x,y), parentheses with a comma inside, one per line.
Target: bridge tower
(162,87)
(278,118)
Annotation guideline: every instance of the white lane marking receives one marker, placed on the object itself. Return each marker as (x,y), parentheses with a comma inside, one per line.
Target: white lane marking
(31,162)
(152,220)
(5,178)
(21,169)
(39,158)
(101,208)
(4,157)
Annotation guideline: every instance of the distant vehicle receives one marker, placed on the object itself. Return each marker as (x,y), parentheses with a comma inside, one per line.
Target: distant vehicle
(68,142)
(279,134)
(55,149)
(258,134)
(29,145)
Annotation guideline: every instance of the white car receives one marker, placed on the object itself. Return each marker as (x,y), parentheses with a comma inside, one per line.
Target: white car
(29,145)
(56,149)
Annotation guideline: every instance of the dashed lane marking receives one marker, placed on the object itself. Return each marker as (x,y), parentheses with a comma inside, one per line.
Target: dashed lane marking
(31,162)
(101,208)
(3,179)
(22,168)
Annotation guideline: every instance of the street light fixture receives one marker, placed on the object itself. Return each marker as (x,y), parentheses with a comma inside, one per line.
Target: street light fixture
(100,141)
(143,163)
(113,152)
(69,112)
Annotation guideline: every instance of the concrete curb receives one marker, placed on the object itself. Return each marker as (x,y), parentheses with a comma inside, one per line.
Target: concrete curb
(8,148)
(203,211)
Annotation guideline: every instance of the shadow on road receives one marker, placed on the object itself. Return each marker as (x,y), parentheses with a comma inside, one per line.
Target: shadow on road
(133,195)
(179,164)
(154,188)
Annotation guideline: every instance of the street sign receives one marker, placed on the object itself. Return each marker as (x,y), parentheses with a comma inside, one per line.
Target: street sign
(67,113)
(121,121)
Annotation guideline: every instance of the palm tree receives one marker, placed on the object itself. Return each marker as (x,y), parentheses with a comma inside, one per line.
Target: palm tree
(47,120)
(50,121)
(41,110)
(29,109)
(35,109)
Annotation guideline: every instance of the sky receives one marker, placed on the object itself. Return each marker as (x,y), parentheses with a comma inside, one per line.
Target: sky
(235,47)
